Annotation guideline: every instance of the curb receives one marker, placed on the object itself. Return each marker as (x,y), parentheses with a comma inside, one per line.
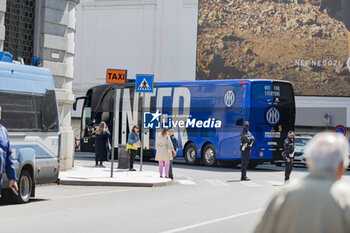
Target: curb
(108,183)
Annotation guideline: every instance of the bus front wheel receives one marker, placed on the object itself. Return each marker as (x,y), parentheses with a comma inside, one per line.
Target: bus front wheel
(209,155)
(191,154)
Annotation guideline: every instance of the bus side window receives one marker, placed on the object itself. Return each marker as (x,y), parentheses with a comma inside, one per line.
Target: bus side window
(239,122)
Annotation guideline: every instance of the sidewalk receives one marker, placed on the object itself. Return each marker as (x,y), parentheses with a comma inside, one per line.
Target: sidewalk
(84,173)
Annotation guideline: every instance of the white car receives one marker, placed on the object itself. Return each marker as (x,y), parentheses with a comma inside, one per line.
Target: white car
(300,142)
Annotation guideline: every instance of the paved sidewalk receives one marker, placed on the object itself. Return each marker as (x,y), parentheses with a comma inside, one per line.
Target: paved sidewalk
(84,173)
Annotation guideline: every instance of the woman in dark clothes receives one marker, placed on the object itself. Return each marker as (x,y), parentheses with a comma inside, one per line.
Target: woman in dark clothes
(101,144)
(133,145)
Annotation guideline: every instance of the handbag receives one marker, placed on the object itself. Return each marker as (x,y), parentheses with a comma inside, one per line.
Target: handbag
(137,144)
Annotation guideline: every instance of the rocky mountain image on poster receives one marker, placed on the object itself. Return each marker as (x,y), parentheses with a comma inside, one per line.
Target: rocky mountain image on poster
(265,39)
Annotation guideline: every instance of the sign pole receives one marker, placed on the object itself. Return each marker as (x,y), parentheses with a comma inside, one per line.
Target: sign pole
(142,132)
(115,111)
(144,83)
(115,76)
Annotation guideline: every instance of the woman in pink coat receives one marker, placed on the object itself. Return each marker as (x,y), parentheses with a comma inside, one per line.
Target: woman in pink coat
(164,149)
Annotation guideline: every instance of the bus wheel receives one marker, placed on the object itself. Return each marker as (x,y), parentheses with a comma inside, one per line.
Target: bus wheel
(252,165)
(25,185)
(209,155)
(234,164)
(191,154)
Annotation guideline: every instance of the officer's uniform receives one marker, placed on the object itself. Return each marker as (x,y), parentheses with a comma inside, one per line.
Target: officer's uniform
(247,140)
(6,164)
(288,153)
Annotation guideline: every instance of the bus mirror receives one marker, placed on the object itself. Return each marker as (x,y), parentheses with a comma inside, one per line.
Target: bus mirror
(239,122)
(76,101)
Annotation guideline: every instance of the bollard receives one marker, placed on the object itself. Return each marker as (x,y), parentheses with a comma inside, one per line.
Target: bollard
(123,157)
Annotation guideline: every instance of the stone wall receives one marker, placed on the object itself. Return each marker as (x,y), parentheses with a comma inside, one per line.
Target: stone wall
(57,26)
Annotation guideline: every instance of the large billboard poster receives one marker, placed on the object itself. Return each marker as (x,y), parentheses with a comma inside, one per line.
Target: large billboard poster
(281,39)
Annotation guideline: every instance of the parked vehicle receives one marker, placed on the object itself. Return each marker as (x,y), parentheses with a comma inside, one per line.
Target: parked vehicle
(300,143)
(30,114)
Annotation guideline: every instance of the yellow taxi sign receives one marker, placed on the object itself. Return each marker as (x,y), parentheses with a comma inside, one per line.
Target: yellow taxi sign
(116,76)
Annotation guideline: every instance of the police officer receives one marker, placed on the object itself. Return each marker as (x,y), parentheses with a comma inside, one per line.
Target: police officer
(247,141)
(6,164)
(288,154)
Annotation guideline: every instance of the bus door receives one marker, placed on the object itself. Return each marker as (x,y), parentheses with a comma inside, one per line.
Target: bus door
(233,101)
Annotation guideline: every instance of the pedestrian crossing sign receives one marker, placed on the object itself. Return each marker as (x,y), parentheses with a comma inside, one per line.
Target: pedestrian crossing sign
(144,82)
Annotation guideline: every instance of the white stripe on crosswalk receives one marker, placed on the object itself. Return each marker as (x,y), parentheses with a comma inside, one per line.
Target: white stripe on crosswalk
(183,176)
(223,183)
(217,182)
(187,182)
(250,184)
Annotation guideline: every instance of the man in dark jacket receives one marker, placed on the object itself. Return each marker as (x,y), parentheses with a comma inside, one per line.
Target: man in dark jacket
(288,154)
(6,164)
(247,141)
(176,146)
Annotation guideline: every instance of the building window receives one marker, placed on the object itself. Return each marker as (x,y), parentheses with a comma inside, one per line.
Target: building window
(19,24)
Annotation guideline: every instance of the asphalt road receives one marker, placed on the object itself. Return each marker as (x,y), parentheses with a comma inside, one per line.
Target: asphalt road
(201,199)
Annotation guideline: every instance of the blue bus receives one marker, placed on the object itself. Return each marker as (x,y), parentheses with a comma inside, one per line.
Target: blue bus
(207,117)
(29,111)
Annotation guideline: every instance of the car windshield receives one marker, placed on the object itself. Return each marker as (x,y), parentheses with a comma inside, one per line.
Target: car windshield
(301,141)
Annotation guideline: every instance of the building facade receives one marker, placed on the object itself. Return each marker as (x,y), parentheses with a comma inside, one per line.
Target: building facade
(45,29)
(143,36)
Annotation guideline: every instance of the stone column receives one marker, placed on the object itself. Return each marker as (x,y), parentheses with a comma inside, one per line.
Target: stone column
(2,23)
(57,52)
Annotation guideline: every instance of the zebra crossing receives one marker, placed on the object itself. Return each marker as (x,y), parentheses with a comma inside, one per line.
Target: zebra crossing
(228,183)
(186,182)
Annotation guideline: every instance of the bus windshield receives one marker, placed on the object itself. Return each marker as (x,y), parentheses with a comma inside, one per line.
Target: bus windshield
(273,113)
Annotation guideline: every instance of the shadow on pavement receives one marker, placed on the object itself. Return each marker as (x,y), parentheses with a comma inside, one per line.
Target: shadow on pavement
(233,181)
(32,200)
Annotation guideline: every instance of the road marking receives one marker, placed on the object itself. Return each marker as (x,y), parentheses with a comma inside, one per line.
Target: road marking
(213,221)
(217,182)
(250,184)
(183,176)
(187,182)
(85,194)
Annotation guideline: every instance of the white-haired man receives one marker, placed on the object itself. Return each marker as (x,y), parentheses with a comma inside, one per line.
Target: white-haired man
(319,202)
